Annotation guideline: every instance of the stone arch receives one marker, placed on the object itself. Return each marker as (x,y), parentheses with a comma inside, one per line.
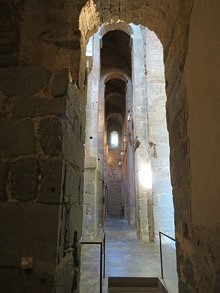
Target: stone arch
(122,26)
(115,116)
(170,23)
(115,74)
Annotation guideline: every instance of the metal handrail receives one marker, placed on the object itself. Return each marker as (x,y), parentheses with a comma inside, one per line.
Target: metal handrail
(161,252)
(102,261)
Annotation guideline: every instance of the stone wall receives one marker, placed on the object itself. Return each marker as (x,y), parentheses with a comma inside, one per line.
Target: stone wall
(45,35)
(41,148)
(31,158)
(70,214)
(199,245)
(114,200)
(159,151)
(90,199)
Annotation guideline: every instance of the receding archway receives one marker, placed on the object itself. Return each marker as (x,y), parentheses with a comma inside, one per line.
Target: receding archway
(135,203)
(174,61)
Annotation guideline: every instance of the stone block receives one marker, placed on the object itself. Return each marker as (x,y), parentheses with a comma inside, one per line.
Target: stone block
(50,136)
(29,230)
(60,83)
(88,198)
(3,98)
(24,179)
(17,138)
(187,270)
(73,184)
(27,81)
(90,175)
(9,60)
(90,187)
(3,179)
(178,129)
(90,162)
(11,280)
(73,146)
(36,106)
(51,178)
(64,274)
(180,165)
(69,44)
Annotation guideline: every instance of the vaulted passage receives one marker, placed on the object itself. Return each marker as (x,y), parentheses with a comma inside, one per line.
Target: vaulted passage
(126,136)
(114,113)
(127,177)
(52,142)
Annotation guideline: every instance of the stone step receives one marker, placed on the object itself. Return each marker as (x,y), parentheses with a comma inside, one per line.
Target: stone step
(134,289)
(133,284)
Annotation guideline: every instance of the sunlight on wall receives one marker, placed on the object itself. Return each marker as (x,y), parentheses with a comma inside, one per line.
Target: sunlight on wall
(145,175)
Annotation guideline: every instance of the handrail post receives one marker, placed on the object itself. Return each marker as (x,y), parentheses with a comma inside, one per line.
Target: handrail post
(101,267)
(161,256)
(104,253)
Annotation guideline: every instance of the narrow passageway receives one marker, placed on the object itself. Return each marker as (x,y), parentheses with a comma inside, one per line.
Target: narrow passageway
(126,256)
(126,155)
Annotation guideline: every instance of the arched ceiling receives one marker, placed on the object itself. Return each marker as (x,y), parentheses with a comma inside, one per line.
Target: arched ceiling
(115,97)
(116,51)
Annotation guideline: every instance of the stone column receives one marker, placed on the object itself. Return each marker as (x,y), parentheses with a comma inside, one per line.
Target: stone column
(158,136)
(130,161)
(90,201)
(90,205)
(92,100)
(140,132)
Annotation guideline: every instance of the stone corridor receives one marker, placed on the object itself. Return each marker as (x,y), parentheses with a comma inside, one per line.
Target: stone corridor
(44,72)
(126,257)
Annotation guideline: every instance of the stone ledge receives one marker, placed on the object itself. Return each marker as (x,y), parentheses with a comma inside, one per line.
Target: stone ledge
(91,163)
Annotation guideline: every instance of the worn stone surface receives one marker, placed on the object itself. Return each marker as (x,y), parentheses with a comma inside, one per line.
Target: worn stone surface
(50,135)
(115,200)
(65,274)
(60,83)
(71,194)
(200,101)
(39,242)
(20,80)
(24,174)
(3,98)
(50,181)
(11,280)
(9,34)
(17,138)
(27,106)
(3,180)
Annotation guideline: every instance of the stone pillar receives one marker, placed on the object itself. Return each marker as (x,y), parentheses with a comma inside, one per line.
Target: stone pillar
(130,162)
(158,136)
(140,131)
(92,101)
(91,180)
(41,162)
(101,150)
(90,204)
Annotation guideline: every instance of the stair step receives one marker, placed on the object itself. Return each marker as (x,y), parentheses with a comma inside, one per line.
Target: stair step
(135,289)
(133,284)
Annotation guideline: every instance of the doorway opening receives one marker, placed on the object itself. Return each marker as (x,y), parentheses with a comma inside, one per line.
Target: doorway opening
(127,180)
(126,133)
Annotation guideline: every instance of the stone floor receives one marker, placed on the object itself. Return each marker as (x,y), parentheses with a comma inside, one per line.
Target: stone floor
(126,257)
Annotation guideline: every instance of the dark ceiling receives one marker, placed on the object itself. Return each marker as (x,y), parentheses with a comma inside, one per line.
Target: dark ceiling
(115,96)
(116,51)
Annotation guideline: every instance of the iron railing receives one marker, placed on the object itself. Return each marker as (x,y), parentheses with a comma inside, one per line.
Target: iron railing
(102,258)
(161,250)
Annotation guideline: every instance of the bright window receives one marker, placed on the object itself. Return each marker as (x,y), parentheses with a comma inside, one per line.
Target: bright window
(114,139)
